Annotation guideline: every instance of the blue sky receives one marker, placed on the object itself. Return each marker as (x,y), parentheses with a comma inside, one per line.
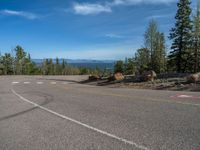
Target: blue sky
(81,29)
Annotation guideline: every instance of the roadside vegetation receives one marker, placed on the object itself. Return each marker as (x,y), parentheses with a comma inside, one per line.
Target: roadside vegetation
(184,54)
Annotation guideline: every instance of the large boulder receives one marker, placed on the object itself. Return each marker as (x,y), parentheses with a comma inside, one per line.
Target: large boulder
(194,78)
(116,77)
(149,76)
(94,77)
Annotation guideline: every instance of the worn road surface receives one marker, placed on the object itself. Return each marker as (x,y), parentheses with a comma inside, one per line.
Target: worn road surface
(57,113)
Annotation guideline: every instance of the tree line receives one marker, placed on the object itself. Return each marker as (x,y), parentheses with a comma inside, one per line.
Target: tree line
(184,55)
(18,62)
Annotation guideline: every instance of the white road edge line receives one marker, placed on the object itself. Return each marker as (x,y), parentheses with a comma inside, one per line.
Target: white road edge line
(53,82)
(26,82)
(80,123)
(15,82)
(39,82)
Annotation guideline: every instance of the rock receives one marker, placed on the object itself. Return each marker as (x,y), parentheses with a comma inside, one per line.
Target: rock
(116,77)
(193,78)
(94,77)
(149,76)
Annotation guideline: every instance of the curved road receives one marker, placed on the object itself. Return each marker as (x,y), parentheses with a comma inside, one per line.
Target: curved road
(48,113)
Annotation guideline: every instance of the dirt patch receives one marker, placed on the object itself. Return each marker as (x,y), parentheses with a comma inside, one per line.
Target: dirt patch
(173,84)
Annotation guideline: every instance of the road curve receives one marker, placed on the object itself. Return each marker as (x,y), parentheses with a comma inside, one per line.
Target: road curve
(59,113)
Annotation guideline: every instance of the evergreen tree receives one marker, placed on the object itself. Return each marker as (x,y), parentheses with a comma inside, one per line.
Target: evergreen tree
(27,70)
(130,66)
(1,64)
(30,67)
(181,37)
(63,67)
(142,59)
(19,60)
(149,41)
(196,39)
(159,54)
(125,65)
(119,66)
(45,65)
(51,67)
(7,64)
(57,67)
(154,42)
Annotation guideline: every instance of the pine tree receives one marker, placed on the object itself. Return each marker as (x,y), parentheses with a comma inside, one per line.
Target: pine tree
(1,64)
(30,67)
(154,42)
(181,37)
(63,67)
(51,67)
(142,59)
(119,66)
(7,64)
(45,65)
(130,66)
(196,39)
(20,60)
(57,67)
(150,39)
(159,54)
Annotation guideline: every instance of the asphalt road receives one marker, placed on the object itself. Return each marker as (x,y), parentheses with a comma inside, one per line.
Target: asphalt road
(56,113)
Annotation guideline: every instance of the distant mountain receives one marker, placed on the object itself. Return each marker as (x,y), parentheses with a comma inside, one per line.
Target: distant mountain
(101,66)
(77,61)
(88,63)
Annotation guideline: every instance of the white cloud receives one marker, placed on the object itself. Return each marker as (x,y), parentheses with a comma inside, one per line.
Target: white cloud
(24,14)
(87,9)
(96,8)
(111,35)
(134,2)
